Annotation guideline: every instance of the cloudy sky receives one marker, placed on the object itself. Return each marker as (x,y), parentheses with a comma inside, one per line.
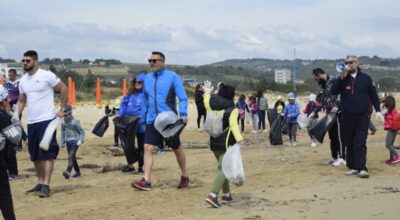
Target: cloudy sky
(199,31)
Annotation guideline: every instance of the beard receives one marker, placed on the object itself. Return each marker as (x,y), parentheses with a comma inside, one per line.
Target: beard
(29,68)
(351,71)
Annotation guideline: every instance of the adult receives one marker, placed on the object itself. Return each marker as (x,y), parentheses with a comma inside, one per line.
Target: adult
(201,110)
(331,103)
(262,107)
(37,91)
(161,87)
(357,91)
(131,105)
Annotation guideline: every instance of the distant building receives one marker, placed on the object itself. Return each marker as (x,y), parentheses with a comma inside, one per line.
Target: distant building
(283,75)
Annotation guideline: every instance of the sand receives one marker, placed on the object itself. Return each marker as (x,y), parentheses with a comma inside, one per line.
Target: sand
(281,182)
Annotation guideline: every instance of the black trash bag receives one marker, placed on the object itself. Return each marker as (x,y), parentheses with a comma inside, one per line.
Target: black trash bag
(320,128)
(275,134)
(101,127)
(126,128)
(285,126)
(272,114)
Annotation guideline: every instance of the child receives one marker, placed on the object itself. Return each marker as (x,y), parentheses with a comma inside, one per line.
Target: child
(390,112)
(72,135)
(201,110)
(279,105)
(310,108)
(262,107)
(291,112)
(223,100)
(253,106)
(243,107)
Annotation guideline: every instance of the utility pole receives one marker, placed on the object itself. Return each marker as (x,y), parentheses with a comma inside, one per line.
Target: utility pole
(294,71)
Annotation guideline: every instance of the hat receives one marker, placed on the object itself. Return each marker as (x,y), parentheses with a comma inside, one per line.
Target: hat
(3,93)
(140,77)
(291,96)
(68,109)
(168,124)
(312,97)
(227,91)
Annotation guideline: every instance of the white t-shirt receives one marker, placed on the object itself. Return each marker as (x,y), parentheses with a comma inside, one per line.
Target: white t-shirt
(40,95)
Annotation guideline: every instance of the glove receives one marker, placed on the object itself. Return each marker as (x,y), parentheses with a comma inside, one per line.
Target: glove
(207,87)
(380,116)
(79,143)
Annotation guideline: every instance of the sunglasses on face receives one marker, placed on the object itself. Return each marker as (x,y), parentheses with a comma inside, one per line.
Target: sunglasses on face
(26,61)
(154,60)
(349,62)
(138,82)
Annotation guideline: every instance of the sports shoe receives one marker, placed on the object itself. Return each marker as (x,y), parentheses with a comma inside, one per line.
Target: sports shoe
(330,161)
(140,170)
(12,177)
(44,191)
(160,151)
(35,189)
(184,184)
(388,161)
(142,184)
(115,144)
(76,175)
(127,169)
(339,162)
(226,199)
(363,174)
(254,132)
(313,144)
(373,132)
(18,148)
(395,160)
(294,144)
(213,201)
(66,174)
(351,172)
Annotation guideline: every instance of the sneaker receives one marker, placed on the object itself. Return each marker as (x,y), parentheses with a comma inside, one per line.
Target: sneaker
(115,144)
(330,161)
(127,169)
(200,130)
(184,184)
(76,175)
(254,132)
(294,144)
(18,148)
(66,174)
(395,160)
(388,161)
(12,177)
(142,184)
(35,189)
(140,170)
(313,144)
(339,162)
(226,199)
(44,191)
(351,172)
(363,174)
(373,132)
(213,201)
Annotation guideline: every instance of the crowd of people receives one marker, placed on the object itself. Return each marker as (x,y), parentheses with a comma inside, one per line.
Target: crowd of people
(348,98)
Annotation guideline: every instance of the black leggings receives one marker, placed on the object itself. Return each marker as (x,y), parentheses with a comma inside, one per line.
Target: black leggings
(72,148)
(6,203)
(140,141)
(241,122)
(11,159)
(201,112)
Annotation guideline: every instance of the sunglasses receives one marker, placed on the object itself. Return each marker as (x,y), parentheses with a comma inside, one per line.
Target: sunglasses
(26,61)
(154,60)
(349,62)
(139,82)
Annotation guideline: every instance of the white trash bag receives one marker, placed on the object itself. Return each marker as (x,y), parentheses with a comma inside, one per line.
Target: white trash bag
(303,120)
(48,134)
(232,165)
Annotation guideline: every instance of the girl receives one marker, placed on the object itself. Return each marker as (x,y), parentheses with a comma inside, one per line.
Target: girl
(291,112)
(310,108)
(262,107)
(243,107)
(390,112)
(201,110)
(72,135)
(253,106)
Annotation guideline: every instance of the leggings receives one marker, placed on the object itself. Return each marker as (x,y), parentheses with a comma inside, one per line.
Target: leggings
(241,122)
(261,119)
(390,137)
(292,129)
(201,112)
(72,148)
(140,142)
(6,203)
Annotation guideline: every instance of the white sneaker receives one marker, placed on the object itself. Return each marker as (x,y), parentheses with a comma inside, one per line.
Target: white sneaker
(351,172)
(294,144)
(330,161)
(313,144)
(339,162)
(254,132)
(363,174)
(200,129)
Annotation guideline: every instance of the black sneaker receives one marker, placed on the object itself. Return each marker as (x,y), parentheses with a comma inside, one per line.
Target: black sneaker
(44,192)
(115,144)
(18,148)
(127,169)
(12,177)
(140,170)
(66,174)
(35,189)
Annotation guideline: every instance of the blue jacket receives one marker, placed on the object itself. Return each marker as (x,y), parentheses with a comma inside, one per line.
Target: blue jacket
(132,105)
(291,111)
(160,92)
(356,94)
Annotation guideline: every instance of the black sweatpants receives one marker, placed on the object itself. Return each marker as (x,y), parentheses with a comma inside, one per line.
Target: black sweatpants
(140,142)
(11,159)
(201,112)
(116,138)
(338,149)
(6,203)
(355,132)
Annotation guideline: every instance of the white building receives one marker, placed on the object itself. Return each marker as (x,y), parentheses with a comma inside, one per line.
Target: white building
(283,75)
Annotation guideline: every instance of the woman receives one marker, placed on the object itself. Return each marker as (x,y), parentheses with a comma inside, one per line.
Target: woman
(131,105)
(201,110)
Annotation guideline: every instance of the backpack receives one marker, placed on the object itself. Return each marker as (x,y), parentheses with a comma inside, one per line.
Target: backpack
(214,122)
(396,121)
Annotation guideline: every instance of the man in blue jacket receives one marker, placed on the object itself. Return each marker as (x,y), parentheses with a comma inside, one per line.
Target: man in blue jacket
(356,91)
(161,87)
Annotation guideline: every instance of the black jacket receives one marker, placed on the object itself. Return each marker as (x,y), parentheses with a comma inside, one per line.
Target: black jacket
(356,94)
(198,98)
(327,100)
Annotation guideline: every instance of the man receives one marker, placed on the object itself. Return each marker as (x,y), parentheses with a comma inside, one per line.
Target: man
(356,91)
(331,103)
(37,91)
(161,87)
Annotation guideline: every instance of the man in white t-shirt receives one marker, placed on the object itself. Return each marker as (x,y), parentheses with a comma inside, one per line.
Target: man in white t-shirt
(37,91)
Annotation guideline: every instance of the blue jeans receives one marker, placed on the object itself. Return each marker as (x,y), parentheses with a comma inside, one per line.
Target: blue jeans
(261,119)
(72,148)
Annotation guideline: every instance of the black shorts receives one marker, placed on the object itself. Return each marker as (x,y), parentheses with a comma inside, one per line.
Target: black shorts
(153,137)
(35,135)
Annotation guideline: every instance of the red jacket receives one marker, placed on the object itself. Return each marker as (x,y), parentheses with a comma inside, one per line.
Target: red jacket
(389,118)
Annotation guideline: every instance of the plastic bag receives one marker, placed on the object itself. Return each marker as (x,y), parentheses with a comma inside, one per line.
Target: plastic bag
(319,130)
(275,134)
(126,128)
(272,114)
(214,123)
(48,134)
(232,165)
(302,120)
(101,127)
(168,124)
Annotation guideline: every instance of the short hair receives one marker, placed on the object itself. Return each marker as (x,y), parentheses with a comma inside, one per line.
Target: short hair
(260,93)
(318,71)
(159,54)
(31,53)
(13,71)
(353,57)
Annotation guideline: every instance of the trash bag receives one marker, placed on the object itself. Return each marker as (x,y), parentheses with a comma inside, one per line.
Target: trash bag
(275,133)
(302,120)
(285,126)
(319,130)
(272,114)
(101,127)
(48,134)
(168,124)
(126,128)
(232,165)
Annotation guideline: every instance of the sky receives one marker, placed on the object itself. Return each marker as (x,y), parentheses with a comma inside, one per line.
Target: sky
(198,32)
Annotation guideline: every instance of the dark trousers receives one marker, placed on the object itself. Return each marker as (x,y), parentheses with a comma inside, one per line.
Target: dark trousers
(355,132)
(115,135)
(338,149)
(201,112)
(241,122)
(261,119)
(11,159)
(6,203)
(292,130)
(72,148)
(140,142)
